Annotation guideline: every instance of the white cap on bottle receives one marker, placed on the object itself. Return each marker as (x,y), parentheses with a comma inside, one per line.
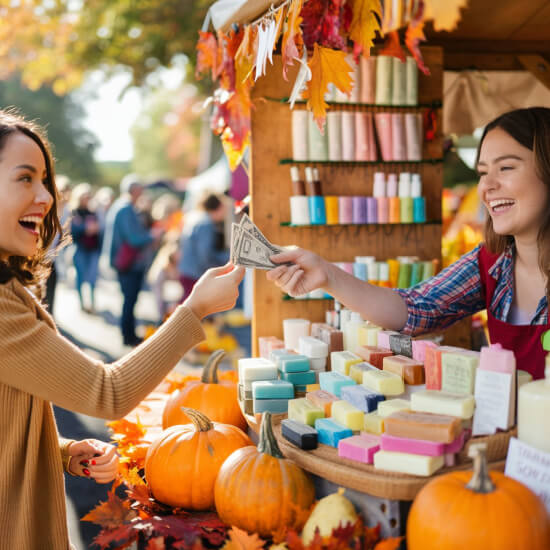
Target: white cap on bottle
(309,173)
(416,186)
(294,173)
(383,271)
(379,188)
(404,184)
(365,259)
(391,189)
(316,174)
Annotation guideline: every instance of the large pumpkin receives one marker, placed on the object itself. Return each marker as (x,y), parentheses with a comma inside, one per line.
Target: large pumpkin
(182,464)
(486,511)
(217,400)
(261,491)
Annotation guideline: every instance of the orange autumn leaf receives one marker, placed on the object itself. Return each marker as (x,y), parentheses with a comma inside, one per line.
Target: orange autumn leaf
(445,15)
(112,513)
(208,55)
(246,55)
(129,432)
(292,37)
(413,37)
(364,24)
(279,18)
(389,544)
(241,540)
(392,46)
(326,66)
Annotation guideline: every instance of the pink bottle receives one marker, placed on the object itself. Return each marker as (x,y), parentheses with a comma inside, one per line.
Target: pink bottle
(384,132)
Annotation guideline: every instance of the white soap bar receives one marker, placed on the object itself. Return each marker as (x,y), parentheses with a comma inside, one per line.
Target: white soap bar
(312,347)
(408,463)
(341,361)
(318,364)
(260,372)
(523,377)
(292,330)
(442,402)
(389,406)
(253,361)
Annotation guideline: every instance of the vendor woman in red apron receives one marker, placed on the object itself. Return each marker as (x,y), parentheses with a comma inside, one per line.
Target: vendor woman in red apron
(507,274)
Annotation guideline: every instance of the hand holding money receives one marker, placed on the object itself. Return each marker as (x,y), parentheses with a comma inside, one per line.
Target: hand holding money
(249,247)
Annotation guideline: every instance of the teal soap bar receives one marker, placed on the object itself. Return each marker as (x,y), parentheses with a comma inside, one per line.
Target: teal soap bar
(270,405)
(330,432)
(272,389)
(333,382)
(293,363)
(299,378)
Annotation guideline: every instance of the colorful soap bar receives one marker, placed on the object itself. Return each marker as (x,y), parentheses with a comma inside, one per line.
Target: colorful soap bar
(364,399)
(333,382)
(356,371)
(432,365)
(458,371)
(374,423)
(457,445)
(390,406)
(341,361)
(418,425)
(368,335)
(300,378)
(384,382)
(299,434)
(293,363)
(383,340)
(267,344)
(419,349)
(496,358)
(272,389)
(441,402)
(414,446)
(322,399)
(312,387)
(408,463)
(330,432)
(401,344)
(312,347)
(360,448)
(373,354)
(271,405)
(346,414)
(304,411)
(411,371)
(257,367)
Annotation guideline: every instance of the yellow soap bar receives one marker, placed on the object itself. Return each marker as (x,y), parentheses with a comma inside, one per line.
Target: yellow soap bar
(374,423)
(389,406)
(341,361)
(384,382)
(356,371)
(407,463)
(348,415)
(368,335)
(304,411)
(312,387)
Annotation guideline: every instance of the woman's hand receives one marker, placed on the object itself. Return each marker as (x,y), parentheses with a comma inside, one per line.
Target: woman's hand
(94,459)
(307,273)
(217,290)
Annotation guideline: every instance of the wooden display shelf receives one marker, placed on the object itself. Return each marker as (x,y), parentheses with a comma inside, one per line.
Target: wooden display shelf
(325,462)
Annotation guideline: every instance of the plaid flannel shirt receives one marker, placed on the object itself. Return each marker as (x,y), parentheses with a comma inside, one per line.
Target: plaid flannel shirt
(457,292)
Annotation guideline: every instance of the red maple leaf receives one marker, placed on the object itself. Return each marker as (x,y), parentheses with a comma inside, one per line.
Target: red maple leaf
(124,536)
(322,21)
(112,513)
(208,55)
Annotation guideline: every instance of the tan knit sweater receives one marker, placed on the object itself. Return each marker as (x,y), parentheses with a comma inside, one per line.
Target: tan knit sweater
(39,366)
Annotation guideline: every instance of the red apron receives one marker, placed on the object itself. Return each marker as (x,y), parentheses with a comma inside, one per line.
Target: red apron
(524,340)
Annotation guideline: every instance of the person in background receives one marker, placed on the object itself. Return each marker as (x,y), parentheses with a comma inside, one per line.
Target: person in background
(39,366)
(508,274)
(87,238)
(126,243)
(102,202)
(202,242)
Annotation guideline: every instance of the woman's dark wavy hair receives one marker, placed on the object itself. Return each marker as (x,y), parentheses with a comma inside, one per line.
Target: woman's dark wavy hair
(32,271)
(531,128)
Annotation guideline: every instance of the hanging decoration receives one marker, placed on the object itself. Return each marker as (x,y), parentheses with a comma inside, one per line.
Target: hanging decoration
(317,35)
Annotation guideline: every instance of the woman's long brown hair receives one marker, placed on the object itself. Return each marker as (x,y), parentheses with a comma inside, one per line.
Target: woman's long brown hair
(32,271)
(531,128)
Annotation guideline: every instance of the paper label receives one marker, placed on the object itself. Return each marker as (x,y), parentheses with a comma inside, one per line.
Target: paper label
(531,467)
(495,402)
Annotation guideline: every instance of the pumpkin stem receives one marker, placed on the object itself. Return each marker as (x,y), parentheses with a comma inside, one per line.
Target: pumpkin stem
(268,443)
(481,481)
(210,370)
(200,420)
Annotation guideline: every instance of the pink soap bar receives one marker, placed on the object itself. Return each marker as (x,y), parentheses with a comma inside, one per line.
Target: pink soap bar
(413,446)
(384,338)
(360,448)
(498,359)
(419,349)
(457,444)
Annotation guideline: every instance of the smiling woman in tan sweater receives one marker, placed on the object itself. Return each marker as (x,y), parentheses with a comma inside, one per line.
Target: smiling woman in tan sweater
(39,367)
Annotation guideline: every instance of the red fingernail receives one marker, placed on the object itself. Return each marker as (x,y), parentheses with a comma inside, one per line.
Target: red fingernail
(86,471)
(93,462)
(84,463)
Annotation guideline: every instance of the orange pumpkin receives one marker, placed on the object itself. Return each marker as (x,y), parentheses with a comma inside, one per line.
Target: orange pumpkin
(217,400)
(182,464)
(261,491)
(486,511)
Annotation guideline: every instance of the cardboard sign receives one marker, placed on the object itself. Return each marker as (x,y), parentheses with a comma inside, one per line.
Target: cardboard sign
(531,467)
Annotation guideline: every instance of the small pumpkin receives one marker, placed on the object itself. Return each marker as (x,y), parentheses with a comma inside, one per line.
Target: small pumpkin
(217,400)
(182,464)
(485,511)
(261,491)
